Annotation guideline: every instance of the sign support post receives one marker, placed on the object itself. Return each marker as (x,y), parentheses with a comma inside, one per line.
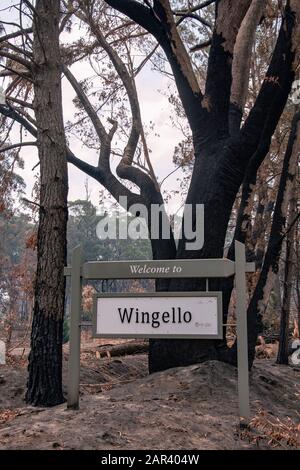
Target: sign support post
(75,320)
(242,335)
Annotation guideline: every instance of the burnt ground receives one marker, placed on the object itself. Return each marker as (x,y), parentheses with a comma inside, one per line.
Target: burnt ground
(122,407)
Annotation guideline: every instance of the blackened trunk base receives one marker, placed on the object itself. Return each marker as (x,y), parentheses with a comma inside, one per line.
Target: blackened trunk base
(44,387)
(167,353)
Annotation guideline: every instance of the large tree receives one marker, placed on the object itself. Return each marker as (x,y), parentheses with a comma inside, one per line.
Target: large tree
(45,360)
(34,69)
(227,149)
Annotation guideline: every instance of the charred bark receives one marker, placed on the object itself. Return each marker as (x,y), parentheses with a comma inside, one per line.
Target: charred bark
(283,352)
(271,260)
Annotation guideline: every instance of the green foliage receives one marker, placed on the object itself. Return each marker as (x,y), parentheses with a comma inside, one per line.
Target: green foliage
(83,220)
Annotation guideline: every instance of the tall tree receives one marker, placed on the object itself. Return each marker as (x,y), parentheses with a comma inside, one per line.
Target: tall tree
(222,147)
(291,206)
(45,360)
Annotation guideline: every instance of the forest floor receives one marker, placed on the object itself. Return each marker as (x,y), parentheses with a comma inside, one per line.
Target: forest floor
(122,407)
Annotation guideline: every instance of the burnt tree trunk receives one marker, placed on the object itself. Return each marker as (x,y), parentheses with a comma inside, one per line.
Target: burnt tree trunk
(270,266)
(283,353)
(217,193)
(44,386)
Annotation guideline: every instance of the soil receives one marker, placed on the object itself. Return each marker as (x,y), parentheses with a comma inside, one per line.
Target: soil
(122,407)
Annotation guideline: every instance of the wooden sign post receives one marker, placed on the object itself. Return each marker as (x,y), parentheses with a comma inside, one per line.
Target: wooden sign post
(168,315)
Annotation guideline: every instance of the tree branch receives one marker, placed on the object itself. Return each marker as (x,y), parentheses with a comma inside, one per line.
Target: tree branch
(100,129)
(241,63)
(17,49)
(200,46)
(218,83)
(16,58)
(130,88)
(19,145)
(25,104)
(274,92)
(106,178)
(16,34)
(10,112)
(124,168)
(159,21)
(198,7)
(193,16)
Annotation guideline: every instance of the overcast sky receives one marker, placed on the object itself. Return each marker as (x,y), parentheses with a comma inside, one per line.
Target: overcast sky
(154,107)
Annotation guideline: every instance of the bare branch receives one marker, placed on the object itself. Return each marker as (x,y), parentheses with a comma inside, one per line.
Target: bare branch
(30,6)
(100,129)
(198,7)
(10,72)
(65,20)
(16,58)
(202,45)
(194,16)
(16,49)
(12,113)
(219,74)
(163,9)
(19,145)
(27,116)
(16,34)
(25,104)
(126,24)
(273,95)
(159,21)
(242,59)
(145,60)
(34,203)
(129,86)
(124,168)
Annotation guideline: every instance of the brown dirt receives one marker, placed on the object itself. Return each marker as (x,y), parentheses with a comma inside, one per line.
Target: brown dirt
(121,407)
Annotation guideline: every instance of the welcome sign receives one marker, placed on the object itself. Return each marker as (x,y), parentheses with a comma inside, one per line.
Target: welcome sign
(158,315)
(161,314)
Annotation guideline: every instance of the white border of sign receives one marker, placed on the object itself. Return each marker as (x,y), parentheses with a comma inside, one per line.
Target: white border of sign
(217,295)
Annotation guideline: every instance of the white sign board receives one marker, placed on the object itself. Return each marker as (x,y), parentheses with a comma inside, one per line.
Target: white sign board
(177,315)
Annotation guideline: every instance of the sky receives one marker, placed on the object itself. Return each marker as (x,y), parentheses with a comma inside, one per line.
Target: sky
(154,108)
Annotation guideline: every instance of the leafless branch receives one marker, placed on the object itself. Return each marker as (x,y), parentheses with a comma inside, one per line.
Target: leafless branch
(194,16)
(16,34)
(25,104)
(202,45)
(18,145)
(18,50)
(16,58)
(101,132)
(198,7)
